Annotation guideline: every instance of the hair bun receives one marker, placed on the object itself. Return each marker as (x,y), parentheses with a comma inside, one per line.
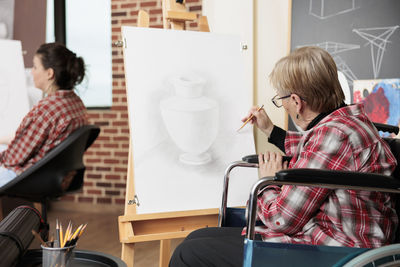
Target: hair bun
(69,69)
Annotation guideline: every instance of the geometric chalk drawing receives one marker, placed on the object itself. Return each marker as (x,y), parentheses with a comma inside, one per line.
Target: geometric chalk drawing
(335,48)
(324,9)
(345,69)
(377,38)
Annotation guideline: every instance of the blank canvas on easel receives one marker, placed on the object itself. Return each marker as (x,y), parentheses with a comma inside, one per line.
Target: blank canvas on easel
(166,133)
(13,93)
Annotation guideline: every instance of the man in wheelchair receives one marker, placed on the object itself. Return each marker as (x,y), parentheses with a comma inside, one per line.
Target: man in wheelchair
(334,136)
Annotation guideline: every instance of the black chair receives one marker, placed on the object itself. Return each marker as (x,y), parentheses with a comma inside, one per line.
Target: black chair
(58,172)
(259,253)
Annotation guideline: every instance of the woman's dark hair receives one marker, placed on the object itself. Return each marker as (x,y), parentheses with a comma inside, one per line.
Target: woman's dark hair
(69,70)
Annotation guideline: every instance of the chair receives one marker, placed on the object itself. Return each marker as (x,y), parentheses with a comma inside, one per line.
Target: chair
(58,172)
(259,253)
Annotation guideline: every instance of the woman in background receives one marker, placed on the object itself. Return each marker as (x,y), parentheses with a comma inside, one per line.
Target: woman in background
(56,71)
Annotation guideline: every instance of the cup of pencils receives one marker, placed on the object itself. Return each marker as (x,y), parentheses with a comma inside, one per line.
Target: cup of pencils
(57,257)
(60,251)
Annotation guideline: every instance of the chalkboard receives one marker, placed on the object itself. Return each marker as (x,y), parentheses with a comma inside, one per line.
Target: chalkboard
(363,36)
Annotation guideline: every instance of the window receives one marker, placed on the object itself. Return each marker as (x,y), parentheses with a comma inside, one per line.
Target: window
(88,34)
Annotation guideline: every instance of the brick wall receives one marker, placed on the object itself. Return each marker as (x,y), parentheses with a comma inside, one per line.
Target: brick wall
(107,158)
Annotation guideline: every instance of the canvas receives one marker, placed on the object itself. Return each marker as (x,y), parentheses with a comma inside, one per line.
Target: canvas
(186,98)
(14,103)
(381,99)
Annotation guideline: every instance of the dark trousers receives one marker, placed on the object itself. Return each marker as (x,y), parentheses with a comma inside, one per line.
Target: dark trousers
(217,247)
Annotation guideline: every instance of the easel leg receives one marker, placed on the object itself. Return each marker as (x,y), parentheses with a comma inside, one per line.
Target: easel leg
(165,252)
(128,253)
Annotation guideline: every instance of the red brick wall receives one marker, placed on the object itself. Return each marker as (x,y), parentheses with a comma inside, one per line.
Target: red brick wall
(107,158)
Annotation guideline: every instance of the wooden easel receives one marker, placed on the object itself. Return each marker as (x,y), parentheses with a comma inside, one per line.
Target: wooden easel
(164,226)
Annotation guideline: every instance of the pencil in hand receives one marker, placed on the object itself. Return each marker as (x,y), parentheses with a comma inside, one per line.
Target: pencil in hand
(251,116)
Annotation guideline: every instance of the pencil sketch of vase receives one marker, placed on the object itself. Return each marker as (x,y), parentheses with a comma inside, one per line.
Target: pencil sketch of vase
(191,119)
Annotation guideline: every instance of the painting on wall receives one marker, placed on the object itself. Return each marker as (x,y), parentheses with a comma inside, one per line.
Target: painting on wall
(186,97)
(13,93)
(6,19)
(381,99)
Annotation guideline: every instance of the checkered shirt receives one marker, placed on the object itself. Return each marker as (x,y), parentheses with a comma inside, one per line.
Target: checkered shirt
(44,127)
(344,140)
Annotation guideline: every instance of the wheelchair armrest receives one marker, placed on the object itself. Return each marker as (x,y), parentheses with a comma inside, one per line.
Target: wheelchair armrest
(254,158)
(319,178)
(338,179)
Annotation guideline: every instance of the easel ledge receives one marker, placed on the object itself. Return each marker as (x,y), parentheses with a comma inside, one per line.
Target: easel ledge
(167,225)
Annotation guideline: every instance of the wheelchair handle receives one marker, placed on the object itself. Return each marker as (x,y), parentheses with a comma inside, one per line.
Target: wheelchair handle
(247,161)
(386,128)
(222,209)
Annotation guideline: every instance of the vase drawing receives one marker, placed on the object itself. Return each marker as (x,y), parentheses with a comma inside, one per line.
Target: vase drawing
(191,119)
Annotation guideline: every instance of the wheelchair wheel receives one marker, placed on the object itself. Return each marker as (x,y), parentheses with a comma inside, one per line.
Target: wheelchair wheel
(383,257)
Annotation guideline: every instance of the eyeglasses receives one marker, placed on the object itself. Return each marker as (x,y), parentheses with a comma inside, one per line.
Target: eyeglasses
(278,100)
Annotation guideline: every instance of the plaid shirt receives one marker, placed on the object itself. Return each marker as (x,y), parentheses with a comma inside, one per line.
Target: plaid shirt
(43,128)
(344,140)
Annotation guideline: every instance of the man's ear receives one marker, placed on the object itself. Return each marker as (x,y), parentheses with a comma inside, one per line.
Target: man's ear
(297,101)
(50,73)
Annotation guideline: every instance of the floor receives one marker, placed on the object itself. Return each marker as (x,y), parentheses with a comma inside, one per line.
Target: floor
(101,234)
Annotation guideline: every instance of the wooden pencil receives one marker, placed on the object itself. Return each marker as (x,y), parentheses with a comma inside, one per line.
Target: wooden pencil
(61,235)
(72,240)
(83,228)
(57,239)
(67,233)
(244,124)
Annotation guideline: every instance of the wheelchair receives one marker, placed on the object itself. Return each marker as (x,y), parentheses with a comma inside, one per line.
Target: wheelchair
(259,253)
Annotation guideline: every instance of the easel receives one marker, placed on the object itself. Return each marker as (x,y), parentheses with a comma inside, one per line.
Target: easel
(165,226)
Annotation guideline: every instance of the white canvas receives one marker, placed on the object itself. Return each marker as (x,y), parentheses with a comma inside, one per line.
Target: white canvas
(13,94)
(34,94)
(165,180)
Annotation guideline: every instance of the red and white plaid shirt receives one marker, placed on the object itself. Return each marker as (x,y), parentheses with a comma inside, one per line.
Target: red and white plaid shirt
(343,140)
(44,127)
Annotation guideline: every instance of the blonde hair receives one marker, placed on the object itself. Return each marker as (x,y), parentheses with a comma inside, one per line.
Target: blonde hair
(311,73)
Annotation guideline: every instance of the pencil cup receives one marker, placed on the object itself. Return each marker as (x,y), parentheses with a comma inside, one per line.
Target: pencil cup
(60,257)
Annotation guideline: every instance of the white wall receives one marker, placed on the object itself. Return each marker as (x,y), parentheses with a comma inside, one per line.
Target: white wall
(264,25)
(272,33)
(234,17)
